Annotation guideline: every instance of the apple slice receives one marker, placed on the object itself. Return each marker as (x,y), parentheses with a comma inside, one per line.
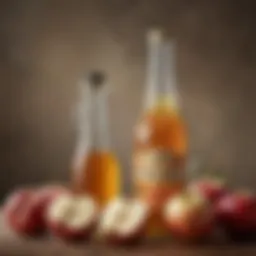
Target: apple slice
(124,221)
(72,217)
(189,216)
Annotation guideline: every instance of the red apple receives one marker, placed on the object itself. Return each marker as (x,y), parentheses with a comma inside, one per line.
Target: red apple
(236,213)
(189,216)
(124,221)
(22,213)
(72,217)
(47,192)
(44,196)
(213,189)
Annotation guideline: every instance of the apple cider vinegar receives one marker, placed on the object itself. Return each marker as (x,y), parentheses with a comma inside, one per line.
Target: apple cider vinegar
(95,168)
(160,145)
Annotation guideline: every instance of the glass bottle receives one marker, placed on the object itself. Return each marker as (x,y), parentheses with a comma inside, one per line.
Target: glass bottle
(160,139)
(95,168)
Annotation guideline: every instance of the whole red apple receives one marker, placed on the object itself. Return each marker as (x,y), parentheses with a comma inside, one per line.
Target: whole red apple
(236,213)
(72,217)
(189,216)
(124,221)
(212,188)
(22,213)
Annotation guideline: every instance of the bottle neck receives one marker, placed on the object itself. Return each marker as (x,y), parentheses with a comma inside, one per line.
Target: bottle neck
(93,130)
(161,90)
(99,121)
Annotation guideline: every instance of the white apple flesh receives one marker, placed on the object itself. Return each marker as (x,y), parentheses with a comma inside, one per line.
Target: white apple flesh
(124,221)
(72,217)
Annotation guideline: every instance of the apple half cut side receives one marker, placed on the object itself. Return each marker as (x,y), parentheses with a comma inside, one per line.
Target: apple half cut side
(72,217)
(189,217)
(43,197)
(124,221)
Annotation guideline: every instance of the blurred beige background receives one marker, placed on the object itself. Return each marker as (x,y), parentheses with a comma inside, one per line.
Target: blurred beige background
(46,45)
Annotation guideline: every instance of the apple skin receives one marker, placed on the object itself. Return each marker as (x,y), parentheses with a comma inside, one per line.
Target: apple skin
(131,239)
(44,196)
(211,188)
(60,229)
(22,212)
(133,236)
(236,214)
(24,209)
(47,193)
(189,217)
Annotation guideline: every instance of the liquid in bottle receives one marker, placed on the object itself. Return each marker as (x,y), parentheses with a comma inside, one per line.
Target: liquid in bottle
(95,168)
(160,139)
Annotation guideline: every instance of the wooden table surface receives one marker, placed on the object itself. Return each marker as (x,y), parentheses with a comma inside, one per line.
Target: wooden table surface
(11,244)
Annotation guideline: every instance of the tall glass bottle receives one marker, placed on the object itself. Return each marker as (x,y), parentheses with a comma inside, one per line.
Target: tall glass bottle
(160,139)
(95,167)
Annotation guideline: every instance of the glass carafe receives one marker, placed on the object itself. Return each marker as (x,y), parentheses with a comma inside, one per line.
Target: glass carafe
(95,168)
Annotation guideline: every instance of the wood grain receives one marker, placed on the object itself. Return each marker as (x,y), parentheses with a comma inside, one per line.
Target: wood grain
(14,245)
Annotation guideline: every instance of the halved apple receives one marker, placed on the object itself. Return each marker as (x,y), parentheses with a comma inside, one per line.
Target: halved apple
(189,216)
(124,221)
(44,195)
(72,217)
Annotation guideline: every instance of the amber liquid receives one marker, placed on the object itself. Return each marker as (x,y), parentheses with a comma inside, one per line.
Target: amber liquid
(166,131)
(98,174)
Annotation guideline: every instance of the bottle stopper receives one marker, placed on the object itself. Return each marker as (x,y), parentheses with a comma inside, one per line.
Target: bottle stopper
(96,79)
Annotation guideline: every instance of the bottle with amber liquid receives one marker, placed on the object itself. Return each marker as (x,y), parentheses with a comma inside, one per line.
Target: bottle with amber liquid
(160,138)
(95,168)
